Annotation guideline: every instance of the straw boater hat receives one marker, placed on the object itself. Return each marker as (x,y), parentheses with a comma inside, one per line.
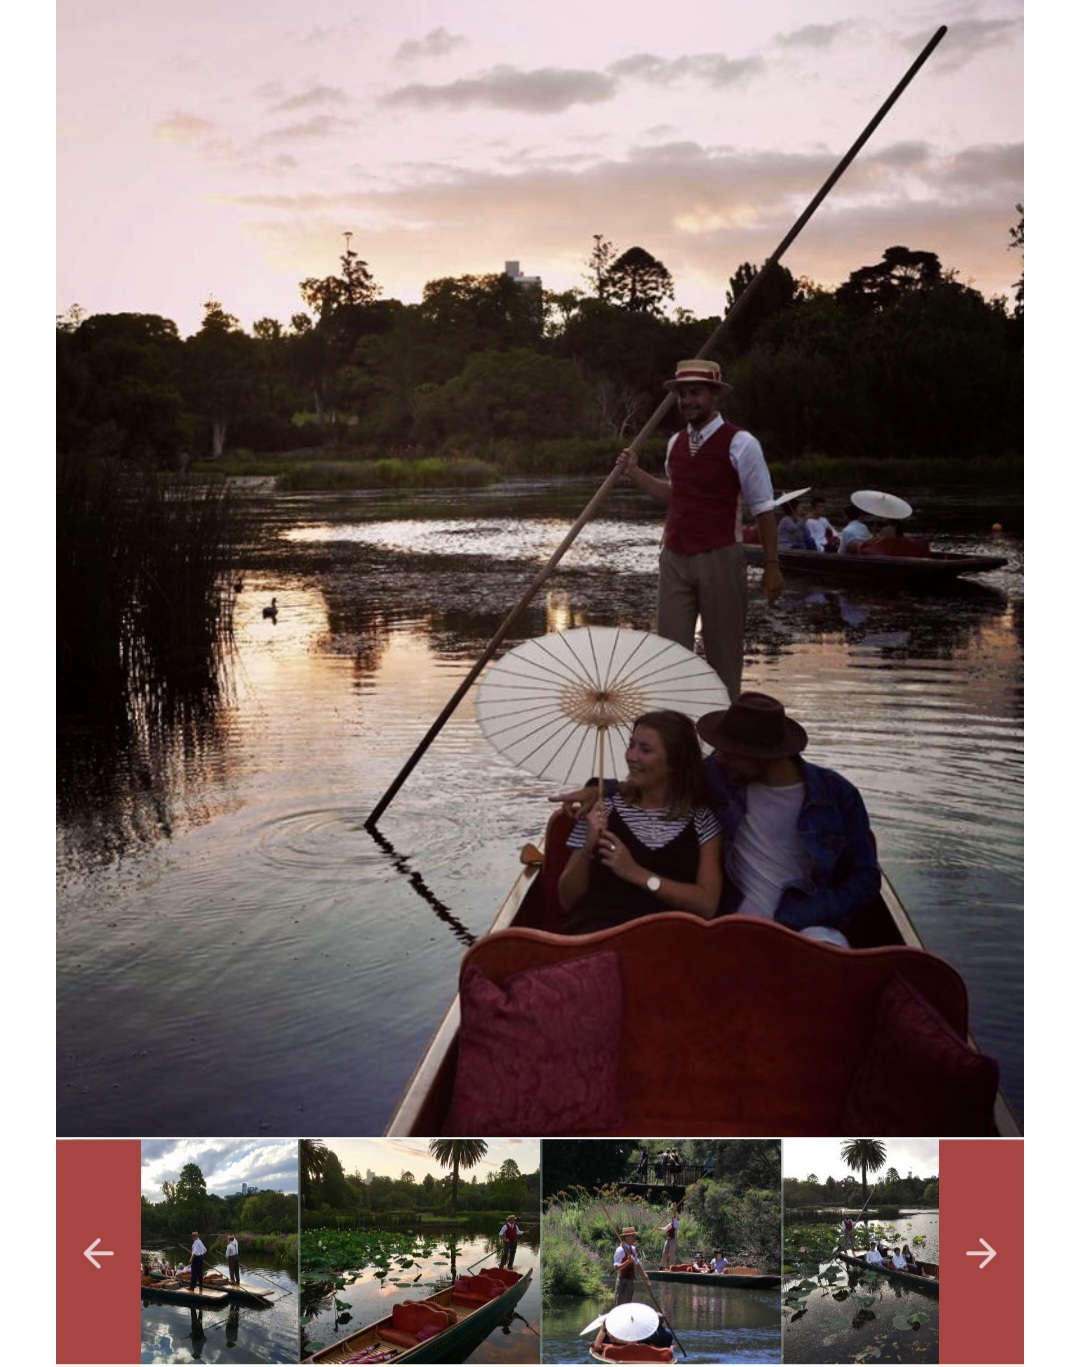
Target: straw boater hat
(628,1231)
(756,726)
(697,372)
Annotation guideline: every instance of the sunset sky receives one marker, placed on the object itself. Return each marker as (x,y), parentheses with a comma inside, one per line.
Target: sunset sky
(223,147)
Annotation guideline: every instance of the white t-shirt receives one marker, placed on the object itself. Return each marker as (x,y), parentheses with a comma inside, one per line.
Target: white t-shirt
(718,1264)
(198,1248)
(767,854)
(817,527)
(621,1254)
(854,531)
(873,1257)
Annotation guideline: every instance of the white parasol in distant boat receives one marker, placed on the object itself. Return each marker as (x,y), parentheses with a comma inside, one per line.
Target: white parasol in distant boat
(563,706)
(790,498)
(877,504)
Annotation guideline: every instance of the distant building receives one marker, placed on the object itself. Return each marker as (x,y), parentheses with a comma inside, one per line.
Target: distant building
(513,270)
(369,1177)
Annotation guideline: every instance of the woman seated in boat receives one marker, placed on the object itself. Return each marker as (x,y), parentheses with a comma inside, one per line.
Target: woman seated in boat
(791,532)
(699,1264)
(898,1262)
(719,1262)
(653,845)
(912,1266)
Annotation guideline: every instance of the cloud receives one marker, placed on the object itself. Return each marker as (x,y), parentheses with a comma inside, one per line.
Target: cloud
(968,39)
(226,1165)
(438,43)
(314,96)
(182,127)
(815,36)
(319,126)
(712,68)
(546,91)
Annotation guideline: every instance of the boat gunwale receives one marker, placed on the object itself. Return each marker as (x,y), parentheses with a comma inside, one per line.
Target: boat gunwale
(930,1286)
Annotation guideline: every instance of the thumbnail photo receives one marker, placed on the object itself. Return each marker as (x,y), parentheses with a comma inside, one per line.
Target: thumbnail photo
(861,1250)
(662,1250)
(420,1249)
(219,1250)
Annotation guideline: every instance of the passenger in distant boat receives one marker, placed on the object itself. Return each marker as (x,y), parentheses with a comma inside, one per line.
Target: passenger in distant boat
(873,1257)
(719,1262)
(699,1263)
(711,469)
(855,532)
(791,533)
(912,1265)
(820,530)
(650,845)
(626,1262)
(898,1261)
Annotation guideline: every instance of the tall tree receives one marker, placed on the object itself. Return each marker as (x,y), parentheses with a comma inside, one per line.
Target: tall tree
(313,1159)
(598,267)
(637,281)
(863,1156)
(899,271)
(457,1154)
(1017,244)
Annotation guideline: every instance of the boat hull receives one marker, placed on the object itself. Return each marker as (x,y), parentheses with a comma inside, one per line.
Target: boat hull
(907,571)
(929,1286)
(183,1295)
(454,1344)
(726,1281)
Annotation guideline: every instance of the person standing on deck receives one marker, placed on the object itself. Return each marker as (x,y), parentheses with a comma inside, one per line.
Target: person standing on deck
(711,468)
(232,1255)
(848,1227)
(626,1260)
(198,1252)
(509,1236)
(671,1241)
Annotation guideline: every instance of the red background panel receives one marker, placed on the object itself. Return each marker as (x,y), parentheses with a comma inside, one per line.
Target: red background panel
(97,1197)
(982,1197)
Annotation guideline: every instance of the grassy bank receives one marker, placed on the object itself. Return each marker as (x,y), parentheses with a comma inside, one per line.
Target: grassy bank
(414,468)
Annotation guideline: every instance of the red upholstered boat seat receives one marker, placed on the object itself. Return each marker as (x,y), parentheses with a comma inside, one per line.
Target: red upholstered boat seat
(897,545)
(636,1352)
(452,1316)
(475,1290)
(798,1014)
(502,1274)
(556,856)
(409,1317)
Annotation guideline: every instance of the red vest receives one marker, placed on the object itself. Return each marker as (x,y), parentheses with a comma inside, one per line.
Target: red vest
(704,494)
(511,1233)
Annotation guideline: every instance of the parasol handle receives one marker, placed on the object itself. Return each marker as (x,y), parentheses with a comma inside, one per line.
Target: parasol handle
(647,431)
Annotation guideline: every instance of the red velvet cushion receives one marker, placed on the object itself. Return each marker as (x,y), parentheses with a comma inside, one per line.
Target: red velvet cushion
(428,1332)
(917,1075)
(539,1055)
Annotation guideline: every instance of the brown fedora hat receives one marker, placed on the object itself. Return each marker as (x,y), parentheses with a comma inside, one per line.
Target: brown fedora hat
(756,726)
(697,372)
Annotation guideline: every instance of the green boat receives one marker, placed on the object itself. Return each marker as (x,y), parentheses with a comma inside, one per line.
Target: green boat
(723,1281)
(453,1344)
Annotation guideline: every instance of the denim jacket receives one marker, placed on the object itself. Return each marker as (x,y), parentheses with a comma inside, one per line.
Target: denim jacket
(835,832)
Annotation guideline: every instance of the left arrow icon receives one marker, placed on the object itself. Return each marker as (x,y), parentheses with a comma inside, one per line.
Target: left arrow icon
(94,1253)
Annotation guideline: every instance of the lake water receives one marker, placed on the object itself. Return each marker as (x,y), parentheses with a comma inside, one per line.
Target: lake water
(234,945)
(370,1297)
(234,1332)
(730,1325)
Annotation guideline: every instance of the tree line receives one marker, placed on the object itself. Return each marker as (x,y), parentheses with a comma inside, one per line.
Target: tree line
(326,1189)
(901,360)
(187,1205)
(892,1190)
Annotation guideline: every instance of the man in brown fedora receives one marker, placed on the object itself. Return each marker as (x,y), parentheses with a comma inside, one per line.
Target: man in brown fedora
(627,1259)
(797,841)
(712,467)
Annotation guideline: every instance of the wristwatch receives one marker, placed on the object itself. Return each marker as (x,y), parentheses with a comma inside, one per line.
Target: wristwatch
(653,882)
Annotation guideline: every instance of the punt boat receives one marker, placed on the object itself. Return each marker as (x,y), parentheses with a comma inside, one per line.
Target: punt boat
(929,570)
(928,1285)
(169,1289)
(733,1278)
(737,964)
(470,1324)
(217,1281)
(630,1353)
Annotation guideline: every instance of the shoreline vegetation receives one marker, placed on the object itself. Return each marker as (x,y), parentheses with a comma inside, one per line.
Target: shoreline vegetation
(364,468)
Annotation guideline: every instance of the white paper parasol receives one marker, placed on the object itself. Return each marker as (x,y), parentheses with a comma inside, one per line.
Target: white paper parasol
(790,498)
(632,1322)
(877,504)
(563,706)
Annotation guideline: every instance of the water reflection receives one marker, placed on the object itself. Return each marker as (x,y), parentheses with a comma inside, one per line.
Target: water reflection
(214,833)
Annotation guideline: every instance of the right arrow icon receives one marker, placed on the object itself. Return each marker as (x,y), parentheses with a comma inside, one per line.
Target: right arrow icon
(985,1253)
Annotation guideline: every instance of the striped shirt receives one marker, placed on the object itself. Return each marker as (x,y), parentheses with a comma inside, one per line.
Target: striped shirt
(653,826)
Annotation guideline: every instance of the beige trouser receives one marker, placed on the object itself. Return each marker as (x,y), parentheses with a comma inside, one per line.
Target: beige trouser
(713,586)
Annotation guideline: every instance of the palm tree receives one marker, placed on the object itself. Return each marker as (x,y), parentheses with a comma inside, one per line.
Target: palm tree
(863,1156)
(313,1158)
(461,1153)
